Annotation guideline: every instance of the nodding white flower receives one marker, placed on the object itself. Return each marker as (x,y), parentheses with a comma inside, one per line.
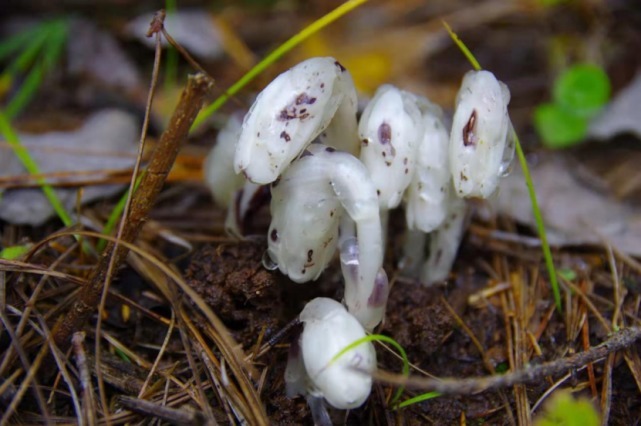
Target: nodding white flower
(218,167)
(391,129)
(427,196)
(290,113)
(319,191)
(327,329)
(479,149)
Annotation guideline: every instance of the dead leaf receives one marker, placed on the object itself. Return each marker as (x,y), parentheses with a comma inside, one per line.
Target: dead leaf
(622,115)
(573,213)
(105,143)
(192,29)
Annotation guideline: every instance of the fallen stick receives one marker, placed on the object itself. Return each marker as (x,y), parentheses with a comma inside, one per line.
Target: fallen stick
(450,386)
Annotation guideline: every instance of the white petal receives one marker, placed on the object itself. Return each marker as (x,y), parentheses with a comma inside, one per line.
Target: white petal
(328,328)
(305,211)
(288,115)
(391,130)
(426,196)
(218,167)
(479,131)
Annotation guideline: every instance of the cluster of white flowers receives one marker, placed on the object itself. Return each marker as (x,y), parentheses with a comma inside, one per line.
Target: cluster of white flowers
(333,180)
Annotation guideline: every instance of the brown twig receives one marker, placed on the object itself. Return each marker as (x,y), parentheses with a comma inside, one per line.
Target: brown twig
(171,415)
(157,21)
(619,340)
(89,414)
(150,185)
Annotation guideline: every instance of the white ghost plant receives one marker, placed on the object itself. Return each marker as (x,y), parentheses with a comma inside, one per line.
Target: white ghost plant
(390,129)
(218,167)
(318,191)
(290,113)
(427,196)
(327,329)
(479,148)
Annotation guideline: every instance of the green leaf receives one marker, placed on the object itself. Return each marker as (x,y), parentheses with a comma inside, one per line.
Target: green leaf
(582,90)
(564,410)
(13,252)
(419,398)
(567,274)
(557,127)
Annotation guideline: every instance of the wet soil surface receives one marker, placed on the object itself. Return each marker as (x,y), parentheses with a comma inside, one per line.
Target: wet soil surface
(252,300)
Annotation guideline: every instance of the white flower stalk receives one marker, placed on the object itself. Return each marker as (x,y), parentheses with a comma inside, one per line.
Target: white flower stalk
(289,114)
(218,167)
(427,196)
(391,129)
(328,329)
(444,243)
(479,150)
(365,300)
(307,204)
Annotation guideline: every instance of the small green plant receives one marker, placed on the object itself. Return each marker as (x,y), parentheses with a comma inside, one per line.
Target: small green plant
(13,252)
(565,410)
(579,93)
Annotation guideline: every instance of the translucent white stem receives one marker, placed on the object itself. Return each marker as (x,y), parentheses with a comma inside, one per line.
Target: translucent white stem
(444,244)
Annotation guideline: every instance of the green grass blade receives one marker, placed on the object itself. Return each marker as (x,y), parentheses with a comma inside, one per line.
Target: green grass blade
(378,338)
(17,42)
(55,43)
(115,214)
(540,226)
(51,47)
(538,217)
(418,398)
(294,41)
(29,163)
(30,53)
(462,47)
(28,89)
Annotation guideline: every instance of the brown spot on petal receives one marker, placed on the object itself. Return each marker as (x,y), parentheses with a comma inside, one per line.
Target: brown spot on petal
(305,99)
(310,253)
(469,138)
(338,64)
(285,135)
(384,133)
(274,235)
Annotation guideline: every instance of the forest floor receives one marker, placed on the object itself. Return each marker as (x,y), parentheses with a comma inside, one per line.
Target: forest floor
(193,329)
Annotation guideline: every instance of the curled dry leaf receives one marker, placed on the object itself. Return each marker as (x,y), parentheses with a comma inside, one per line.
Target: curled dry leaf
(105,142)
(573,212)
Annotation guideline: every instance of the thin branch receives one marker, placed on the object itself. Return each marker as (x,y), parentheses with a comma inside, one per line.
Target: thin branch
(619,340)
(150,185)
